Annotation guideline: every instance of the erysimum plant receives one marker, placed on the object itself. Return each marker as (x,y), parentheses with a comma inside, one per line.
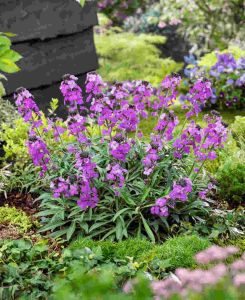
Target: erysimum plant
(116,184)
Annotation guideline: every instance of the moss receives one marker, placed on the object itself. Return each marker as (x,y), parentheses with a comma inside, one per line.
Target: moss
(15,217)
(178,250)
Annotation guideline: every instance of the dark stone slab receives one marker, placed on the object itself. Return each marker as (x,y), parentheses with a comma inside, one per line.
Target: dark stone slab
(43,95)
(46,62)
(176,46)
(41,19)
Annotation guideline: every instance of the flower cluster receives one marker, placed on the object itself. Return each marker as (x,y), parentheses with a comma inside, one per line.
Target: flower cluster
(71,92)
(39,153)
(31,114)
(227,78)
(202,141)
(109,157)
(179,192)
(185,282)
(115,174)
(27,108)
(198,95)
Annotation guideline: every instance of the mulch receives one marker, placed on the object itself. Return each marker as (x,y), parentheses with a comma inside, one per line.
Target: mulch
(23,201)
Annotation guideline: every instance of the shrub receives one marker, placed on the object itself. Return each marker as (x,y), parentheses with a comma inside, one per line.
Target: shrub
(231,181)
(207,24)
(132,57)
(112,185)
(226,72)
(14,137)
(177,251)
(238,130)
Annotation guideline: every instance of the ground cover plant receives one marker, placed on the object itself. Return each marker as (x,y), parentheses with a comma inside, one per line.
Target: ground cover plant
(125,60)
(110,185)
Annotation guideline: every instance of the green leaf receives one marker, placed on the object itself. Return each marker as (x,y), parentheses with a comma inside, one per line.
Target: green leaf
(97,225)
(11,55)
(23,244)
(5,41)
(148,229)
(82,2)
(7,66)
(9,34)
(71,230)
(119,213)
(119,230)
(52,226)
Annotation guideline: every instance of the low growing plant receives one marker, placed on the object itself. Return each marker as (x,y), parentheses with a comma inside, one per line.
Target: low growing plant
(112,185)
(16,218)
(174,253)
(132,57)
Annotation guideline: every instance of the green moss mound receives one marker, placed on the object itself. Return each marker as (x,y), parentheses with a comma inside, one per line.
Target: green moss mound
(178,251)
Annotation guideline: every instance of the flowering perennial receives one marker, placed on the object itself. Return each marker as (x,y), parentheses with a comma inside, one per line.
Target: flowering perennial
(227,77)
(118,110)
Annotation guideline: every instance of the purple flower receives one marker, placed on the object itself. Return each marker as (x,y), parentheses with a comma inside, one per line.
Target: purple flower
(115,174)
(71,92)
(88,196)
(181,189)
(39,153)
(167,124)
(119,149)
(27,108)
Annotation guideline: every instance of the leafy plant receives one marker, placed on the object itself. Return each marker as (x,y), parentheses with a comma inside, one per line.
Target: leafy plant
(231,178)
(8,112)
(207,24)
(8,58)
(132,57)
(112,185)
(30,270)
(4,175)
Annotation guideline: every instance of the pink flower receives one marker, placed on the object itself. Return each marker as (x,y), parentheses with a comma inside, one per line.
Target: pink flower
(239,280)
